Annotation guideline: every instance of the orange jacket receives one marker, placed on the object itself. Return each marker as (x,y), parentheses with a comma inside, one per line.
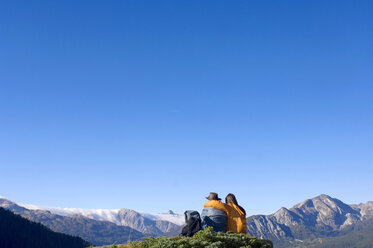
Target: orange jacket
(236,221)
(216,204)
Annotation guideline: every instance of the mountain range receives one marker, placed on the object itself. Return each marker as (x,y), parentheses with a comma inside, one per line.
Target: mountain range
(148,224)
(321,218)
(97,232)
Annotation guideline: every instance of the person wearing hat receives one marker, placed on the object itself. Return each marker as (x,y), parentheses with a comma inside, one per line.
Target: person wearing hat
(214,213)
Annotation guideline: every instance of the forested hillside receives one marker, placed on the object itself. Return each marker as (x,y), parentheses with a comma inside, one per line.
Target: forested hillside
(18,232)
(358,236)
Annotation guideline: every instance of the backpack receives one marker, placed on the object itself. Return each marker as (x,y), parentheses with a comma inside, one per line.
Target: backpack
(193,223)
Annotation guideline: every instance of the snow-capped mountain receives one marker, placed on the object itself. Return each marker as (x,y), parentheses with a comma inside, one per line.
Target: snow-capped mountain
(107,225)
(145,223)
(95,231)
(112,215)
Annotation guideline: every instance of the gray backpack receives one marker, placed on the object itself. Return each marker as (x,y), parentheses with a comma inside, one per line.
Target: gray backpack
(193,223)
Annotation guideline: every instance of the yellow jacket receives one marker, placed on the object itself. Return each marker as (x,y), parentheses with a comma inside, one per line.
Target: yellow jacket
(236,221)
(216,204)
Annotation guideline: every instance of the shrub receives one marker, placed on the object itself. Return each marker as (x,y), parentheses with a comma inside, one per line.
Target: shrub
(203,239)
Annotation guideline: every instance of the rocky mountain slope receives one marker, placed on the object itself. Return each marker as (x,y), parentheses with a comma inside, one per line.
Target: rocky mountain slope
(321,216)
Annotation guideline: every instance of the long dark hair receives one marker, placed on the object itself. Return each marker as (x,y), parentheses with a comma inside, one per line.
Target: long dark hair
(230,198)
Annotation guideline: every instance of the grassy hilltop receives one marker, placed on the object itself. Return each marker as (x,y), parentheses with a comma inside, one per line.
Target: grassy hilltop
(203,239)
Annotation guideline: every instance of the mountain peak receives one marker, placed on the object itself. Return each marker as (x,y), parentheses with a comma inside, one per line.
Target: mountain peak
(322,197)
(281,211)
(323,204)
(170,212)
(311,203)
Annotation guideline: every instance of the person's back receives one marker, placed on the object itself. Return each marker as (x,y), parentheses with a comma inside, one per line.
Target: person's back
(214,214)
(236,221)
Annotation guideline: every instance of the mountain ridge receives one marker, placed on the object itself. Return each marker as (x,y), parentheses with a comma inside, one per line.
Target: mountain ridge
(321,216)
(95,232)
(108,226)
(111,215)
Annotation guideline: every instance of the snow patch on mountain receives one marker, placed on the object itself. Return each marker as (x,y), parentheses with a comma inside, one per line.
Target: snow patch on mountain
(177,219)
(107,214)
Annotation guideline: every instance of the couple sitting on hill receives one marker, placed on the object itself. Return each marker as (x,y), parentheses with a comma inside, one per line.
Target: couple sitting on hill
(228,216)
(222,217)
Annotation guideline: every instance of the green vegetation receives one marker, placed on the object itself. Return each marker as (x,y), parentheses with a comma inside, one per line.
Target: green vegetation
(203,239)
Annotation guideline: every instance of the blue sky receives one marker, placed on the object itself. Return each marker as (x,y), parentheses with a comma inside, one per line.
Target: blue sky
(151,105)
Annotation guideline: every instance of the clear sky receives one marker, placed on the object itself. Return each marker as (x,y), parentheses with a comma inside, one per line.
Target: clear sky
(151,105)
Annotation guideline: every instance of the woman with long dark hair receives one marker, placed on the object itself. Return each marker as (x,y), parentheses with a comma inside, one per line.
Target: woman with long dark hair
(236,221)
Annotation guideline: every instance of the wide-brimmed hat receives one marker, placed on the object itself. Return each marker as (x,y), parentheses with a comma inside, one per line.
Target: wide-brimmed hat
(213,196)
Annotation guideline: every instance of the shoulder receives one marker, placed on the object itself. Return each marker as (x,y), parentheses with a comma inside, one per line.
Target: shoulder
(216,204)
(237,208)
(230,207)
